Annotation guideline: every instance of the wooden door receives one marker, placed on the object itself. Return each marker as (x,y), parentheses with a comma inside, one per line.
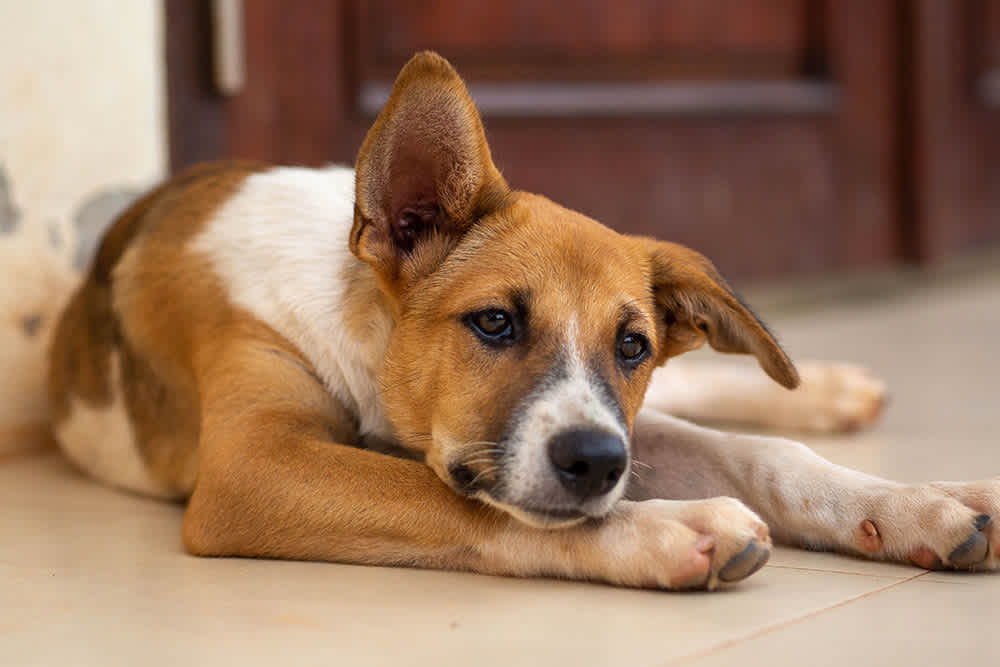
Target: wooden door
(953,199)
(761,132)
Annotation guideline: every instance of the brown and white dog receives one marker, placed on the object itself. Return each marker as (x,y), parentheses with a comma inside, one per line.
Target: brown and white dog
(413,364)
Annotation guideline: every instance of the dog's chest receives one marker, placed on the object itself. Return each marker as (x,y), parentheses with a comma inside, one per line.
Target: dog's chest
(280,246)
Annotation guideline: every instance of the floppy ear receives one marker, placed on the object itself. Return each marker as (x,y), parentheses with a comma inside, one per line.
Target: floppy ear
(696,304)
(424,174)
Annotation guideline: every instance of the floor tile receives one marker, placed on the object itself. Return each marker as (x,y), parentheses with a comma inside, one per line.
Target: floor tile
(90,576)
(788,557)
(918,622)
(103,573)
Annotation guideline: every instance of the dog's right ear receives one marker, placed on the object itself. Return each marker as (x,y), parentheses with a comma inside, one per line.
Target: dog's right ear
(424,174)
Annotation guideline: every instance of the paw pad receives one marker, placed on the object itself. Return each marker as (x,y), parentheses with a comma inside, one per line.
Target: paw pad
(868,538)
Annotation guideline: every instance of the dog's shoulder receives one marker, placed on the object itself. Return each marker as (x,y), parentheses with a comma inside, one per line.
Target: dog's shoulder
(280,247)
(292,214)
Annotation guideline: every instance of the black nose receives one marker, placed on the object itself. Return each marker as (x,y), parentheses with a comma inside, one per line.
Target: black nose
(589,462)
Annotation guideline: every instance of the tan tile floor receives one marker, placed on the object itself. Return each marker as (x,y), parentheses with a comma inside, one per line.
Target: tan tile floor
(92,577)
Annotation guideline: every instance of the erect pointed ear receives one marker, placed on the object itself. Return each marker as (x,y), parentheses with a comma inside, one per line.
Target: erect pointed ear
(424,174)
(696,304)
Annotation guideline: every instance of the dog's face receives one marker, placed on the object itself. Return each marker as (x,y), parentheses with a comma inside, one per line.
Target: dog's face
(525,333)
(521,363)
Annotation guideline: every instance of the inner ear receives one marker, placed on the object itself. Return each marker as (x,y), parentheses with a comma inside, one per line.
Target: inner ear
(424,169)
(417,176)
(412,222)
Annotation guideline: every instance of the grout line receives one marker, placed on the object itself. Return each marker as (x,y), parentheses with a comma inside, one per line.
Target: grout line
(856,574)
(729,643)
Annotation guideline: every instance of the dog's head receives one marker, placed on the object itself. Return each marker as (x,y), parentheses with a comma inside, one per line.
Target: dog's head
(525,333)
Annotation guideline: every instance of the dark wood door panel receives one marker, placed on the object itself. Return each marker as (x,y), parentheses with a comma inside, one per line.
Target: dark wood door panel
(956,132)
(784,164)
(988,102)
(989,99)
(761,132)
(296,99)
(989,37)
(568,39)
(756,196)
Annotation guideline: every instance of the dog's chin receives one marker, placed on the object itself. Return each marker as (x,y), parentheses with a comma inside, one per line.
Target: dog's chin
(538,517)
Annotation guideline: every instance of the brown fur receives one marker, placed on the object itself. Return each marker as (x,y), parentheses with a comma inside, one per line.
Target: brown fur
(126,304)
(701,305)
(15,441)
(228,411)
(426,152)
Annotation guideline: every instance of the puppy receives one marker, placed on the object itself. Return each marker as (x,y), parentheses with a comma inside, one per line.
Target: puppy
(413,364)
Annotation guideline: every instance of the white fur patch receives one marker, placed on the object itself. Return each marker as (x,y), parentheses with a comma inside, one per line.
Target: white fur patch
(573,401)
(280,245)
(102,443)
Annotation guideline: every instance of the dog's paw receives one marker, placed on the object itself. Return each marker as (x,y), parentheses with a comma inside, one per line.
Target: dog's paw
(982,497)
(688,545)
(742,540)
(945,525)
(832,398)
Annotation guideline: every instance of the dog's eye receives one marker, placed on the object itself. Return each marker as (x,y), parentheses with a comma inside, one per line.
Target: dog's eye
(493,326)
(632,348)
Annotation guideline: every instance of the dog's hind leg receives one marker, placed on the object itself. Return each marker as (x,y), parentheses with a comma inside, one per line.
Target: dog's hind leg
(809,501)
(833,397)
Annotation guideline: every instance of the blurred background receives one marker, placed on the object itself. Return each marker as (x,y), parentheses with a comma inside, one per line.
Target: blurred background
(837,159)
(780,137)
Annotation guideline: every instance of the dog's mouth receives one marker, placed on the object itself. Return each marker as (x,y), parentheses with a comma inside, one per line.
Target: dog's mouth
(470,482)
(538,517)
(546,506)
(484,488)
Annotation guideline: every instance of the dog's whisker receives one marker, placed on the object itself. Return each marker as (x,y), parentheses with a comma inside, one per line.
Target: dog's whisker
(475,443)
(482,454)
(478,459)
(489,471)
(473,462)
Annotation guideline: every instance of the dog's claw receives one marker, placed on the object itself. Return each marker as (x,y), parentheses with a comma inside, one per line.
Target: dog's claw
(970,552)
(742,565)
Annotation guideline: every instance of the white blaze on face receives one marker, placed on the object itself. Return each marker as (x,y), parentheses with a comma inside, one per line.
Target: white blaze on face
(569,398)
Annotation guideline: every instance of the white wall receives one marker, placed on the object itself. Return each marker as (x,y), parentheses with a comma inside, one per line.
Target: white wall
(82,109)
(82,130)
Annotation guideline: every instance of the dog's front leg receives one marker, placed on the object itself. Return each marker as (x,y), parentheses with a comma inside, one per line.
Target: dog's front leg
(809,501)
(273,483)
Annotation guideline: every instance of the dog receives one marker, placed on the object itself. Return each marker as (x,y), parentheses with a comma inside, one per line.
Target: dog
(413,364)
